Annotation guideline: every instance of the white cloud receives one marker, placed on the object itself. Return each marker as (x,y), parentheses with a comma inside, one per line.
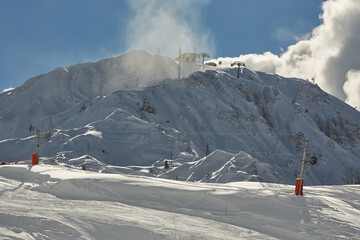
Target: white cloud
(328,54)
(352,88)
(162,23)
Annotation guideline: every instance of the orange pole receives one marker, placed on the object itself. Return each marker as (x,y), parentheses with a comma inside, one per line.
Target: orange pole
(35,159)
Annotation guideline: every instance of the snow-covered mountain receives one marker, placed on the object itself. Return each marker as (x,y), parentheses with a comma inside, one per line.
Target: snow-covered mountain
(131,114)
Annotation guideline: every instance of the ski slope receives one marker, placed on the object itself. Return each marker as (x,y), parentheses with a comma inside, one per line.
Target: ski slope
(59,202)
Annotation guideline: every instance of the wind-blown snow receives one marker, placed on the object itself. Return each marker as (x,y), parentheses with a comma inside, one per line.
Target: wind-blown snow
(160,26)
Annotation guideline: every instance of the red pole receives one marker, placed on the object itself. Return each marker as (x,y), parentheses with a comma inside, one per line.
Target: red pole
(35,158)
(299,186)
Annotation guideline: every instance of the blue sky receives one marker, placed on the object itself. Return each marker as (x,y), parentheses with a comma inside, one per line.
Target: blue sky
(39,35)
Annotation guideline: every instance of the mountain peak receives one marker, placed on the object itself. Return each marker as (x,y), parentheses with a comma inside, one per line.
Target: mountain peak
(209,125)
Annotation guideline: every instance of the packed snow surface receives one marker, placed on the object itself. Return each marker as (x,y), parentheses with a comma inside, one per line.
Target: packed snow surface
(58,202)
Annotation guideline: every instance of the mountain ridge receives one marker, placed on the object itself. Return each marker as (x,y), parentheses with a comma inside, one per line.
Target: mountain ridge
(132,110)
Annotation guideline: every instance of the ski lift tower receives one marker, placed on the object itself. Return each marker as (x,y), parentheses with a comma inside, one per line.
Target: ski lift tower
(203,55)
(240,65)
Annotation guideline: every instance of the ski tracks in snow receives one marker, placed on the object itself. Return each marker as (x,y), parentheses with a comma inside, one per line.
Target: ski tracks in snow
(50,202)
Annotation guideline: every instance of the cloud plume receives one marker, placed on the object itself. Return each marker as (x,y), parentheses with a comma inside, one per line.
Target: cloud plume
(160,24)
(330,55)
(352,88)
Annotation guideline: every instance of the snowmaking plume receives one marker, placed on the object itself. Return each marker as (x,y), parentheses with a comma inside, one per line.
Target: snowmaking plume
(159,25)
(329,56)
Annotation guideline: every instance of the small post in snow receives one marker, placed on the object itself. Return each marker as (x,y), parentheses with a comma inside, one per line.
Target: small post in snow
(207,150)
(166,165)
